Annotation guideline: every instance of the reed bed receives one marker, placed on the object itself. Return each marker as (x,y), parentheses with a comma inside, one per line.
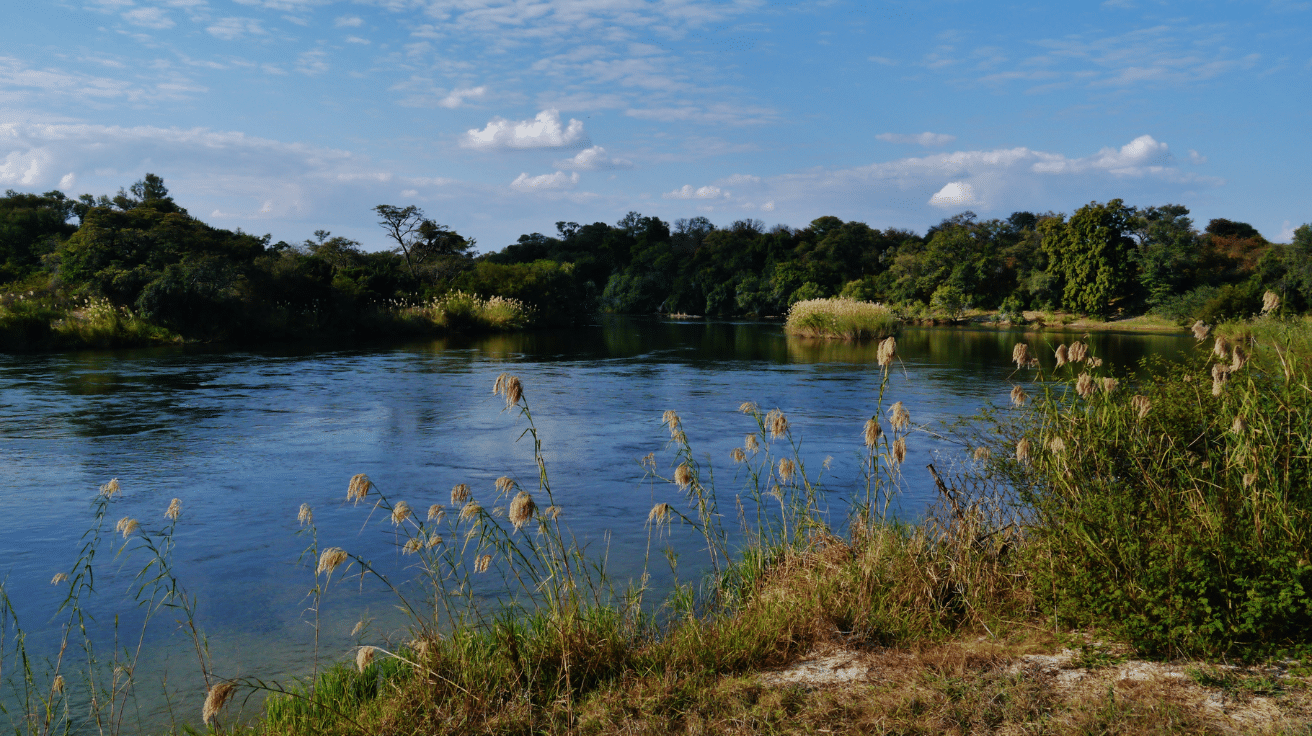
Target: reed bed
(840,317)
(459,311)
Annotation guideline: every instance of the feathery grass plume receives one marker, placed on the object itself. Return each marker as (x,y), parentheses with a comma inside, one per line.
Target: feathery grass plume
(412,545)
(433,540)
(1077,352)
(110,489)
(1270,302)
(521,509)
(459,494)
(1084,385)
(552,512)
(481,563)
(1018,396)
(1061,355)
(505,484)
(738,455)
(1237,358)
(363,656)
(1093,362)
(982,453)
(777,423)
(1109,384)
(661,513)
(509,387)
(400,512)
(786,469)
(828,463)
(1238,426)
(1057,444)
(59,578)
(1249,479)
(899,417)
(748,407)
(305,515)
(358,488)
(1221,349)
(1219,375)
(873,432)
(683,475)
(1200,330)
(470,511)
(57,686)
(899,450)
(436,512)
(127,526)
(359,626)
(330,559)
(1141,404)
(215,699)
(174,510)
(750,442)
(1020,355)
(887,352)
(1023,450)
(671,419)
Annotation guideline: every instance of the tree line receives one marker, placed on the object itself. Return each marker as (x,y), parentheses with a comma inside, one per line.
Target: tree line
(140,250)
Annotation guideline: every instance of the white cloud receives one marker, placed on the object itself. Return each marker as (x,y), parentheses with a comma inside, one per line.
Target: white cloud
(67,181)
(543,131)
(558,180)
(313,62)
(349,21)
(1286,233)
(737,179)
(357,39)
(233,28)
(768,206)
(594,159)
(149,18)
(457,97)
(955,195)
(1196,158)
(926,139)
(687,192)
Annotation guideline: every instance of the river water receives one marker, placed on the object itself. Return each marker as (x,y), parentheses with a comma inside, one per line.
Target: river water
(243,438)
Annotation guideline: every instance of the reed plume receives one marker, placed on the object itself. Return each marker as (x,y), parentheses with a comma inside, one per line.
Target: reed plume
(305,515)
(521,509)
(660,513)
(1109,384)
(1249,479)
(899,417)
(1219,375)
(59,578)
(174,510)
(1093,362)
(1057,444)
(748,407)
(400,512)
(436,512)
(412,545)
(330,559)
(470,510)
(459,494)
(1023,450)
(363,656)
(110,489)
(359,626)
(1020,355)
(1221,348)
(1238,426)
(1270,302)
(777,423)
(1061,355)
(1200,330)
(433,540)
(1084,385)
(127,526)
(1237,358)
(750,442)
(872,432)
(57,686)
(786,469)
(738,455)
(505,484)
(509,387)
(553,512)
(1018,396)
(1142,404)
(671,419)
(358,488)
(887,352)
(982,453)
(215,699)
(1077,352)
(683,475)
(481,563)
(899,450)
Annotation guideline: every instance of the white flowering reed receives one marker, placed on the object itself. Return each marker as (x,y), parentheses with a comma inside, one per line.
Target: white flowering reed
(982,453)
(174,510)
(660,513)
(671,419)
(505,484)
(748,407)
(1018,396)
(110,489)
(898,416)
(521,509)
(776,423)
(683,475)
(552,512)
(1077,352)
(1020,355)
(330,559)
(412,545)
(887,352)
(459,494)
(738,455)
(1109,384)
(363,657)
(1084,385)
(1200,330)
(1061,355)
(839,317)
(215,699)
(127,526)
(786,469)
(470,510)
(510,387)
(305,515)
(1221,348)
(433,540)
(1238,426)
(358,487)
(57,686)
(1270,302)
(1023,450)
(1057,444)
(1093,362)
(400,512)
(59,578)
(481,563)
(751,443)
(436,512)
(872,432)
(899,450)
(1249,479)
(1142,404)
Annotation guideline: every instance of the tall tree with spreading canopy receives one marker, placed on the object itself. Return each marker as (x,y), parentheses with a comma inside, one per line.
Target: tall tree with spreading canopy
(1091,255)
(418,238)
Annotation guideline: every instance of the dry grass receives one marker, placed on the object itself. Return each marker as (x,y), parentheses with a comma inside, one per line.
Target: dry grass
(840,317)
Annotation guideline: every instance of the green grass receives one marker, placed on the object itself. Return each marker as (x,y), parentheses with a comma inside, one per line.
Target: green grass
(840,317)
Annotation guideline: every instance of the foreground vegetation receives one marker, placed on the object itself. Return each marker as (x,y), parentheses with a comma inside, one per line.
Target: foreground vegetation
(167,276)
(1112,518)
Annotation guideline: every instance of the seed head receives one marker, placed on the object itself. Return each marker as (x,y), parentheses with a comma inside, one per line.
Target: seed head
(470,511)
(899,450)
(750,442)
(553,512)
(359,626)
(1221,348)
(110,489)
(57,686)
(1020,355)
(1270,302)
(899,417)
(412,545)
(873,432)
(1109,384)
(1057,444)
(1084,385)
(1249,479)
(481,563)
(1023,450)
(1142,405)
(305,515)
(330,559)
(786,469)
(1238,426)
(459,494)
(509,387)
(174,510)
(683,475)
(1200,330)
(1061,355)
(433,540)
(505,484)
(521,509)
(436,512)
(887,352)
(1237,358)
(1093,362)
(660,514)
(738,455)
(59,578)
(777,423)
(748,407)
(215,699)
(400,512)
(363,656)
(982,453)
(1077,352)
(1018,396)
(358,488)
(828,463)
(127,526)
(671,419)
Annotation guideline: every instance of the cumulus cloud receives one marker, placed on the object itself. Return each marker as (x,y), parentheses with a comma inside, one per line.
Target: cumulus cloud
(543,131)
(545,182)
(457,97)
(955,195)
(349,21)
(687,192)
(926,139)
(594,159)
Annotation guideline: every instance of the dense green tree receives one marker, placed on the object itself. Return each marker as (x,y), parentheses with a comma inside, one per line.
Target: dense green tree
(31,227)
(1090,255)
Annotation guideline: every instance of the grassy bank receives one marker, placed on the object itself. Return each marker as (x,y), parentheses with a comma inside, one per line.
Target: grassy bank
(841,318)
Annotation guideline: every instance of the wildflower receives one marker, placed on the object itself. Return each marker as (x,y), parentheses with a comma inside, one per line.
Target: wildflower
(481,563)
(1061,355)
(887,351)
(1270,302)
(305,515)
(358,488)
(899,450)
(363,657)
(459,494)
(777,423)
(174,510)
(412,545)
(786,469)
(1084,385)
(59,578)
(127,526)
(330,559)
(1020,355)
(509,387)
(738,455)
(899,417)
(1018,396)
(1200,330)
(872,432)
(1238,426)
(110,489)
(521,509)
(470,510)
(1023,450)
(683,475)
(1077,352)
(750,442)
(436,512)
(400,512)
(1057,444)
(1141,404)
(1109,384)
(982,453)
(215,699)
(660,513)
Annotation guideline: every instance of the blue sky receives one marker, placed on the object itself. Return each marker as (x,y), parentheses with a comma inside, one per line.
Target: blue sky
(500,117)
